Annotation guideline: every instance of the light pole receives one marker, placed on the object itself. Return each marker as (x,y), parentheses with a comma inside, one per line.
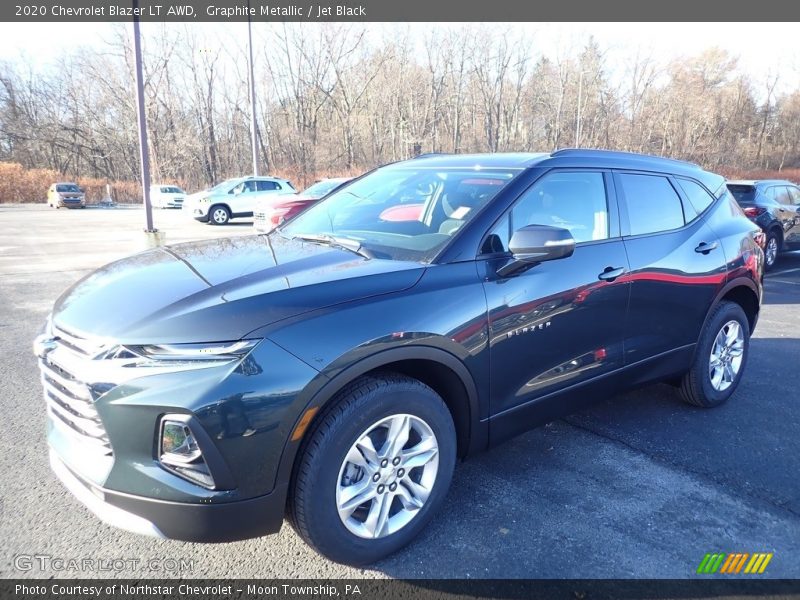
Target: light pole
(253,125)
(144,156)
(153,236)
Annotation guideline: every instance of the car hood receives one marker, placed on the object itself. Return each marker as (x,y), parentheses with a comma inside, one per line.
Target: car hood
(220,290)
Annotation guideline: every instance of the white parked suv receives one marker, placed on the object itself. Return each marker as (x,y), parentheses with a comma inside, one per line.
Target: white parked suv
(234,198)
(166,196)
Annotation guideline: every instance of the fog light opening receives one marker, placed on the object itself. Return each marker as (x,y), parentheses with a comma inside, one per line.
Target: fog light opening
(180,453)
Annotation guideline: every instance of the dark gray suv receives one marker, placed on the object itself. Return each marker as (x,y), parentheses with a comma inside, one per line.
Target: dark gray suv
(773,205)
(336,369)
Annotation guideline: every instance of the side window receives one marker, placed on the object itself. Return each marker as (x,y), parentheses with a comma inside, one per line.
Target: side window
(772,193)
(782,195)
(575,201)
(653,204)
(699,198)
(267,186)
(794,193)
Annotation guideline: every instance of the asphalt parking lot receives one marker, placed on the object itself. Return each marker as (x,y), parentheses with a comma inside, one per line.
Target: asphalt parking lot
(640,486)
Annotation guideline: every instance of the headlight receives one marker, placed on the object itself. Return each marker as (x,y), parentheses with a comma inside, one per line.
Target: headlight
(189,356)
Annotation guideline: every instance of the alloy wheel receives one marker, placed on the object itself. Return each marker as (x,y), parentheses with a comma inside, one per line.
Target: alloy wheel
(219,216)
(387,476)
(771,253)
(727,353)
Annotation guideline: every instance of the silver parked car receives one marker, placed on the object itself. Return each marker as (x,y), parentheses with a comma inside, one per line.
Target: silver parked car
(234,198)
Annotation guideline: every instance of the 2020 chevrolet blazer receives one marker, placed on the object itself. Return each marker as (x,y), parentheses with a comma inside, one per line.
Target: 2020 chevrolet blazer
(336,369)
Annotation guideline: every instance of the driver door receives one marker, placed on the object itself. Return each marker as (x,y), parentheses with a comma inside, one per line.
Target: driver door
(244,198)
(558,325)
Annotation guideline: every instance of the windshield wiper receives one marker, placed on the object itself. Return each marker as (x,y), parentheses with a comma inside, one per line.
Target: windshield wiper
(336,241)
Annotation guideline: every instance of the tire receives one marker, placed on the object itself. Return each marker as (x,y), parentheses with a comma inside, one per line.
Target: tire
(219,215)
(772,248)
(371,403)
(698,385)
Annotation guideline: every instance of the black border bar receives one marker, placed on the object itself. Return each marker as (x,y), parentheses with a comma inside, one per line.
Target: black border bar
(387,589)
(397,11)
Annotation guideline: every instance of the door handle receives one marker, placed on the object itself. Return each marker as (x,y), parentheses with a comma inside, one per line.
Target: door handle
(705,247)
(611,273)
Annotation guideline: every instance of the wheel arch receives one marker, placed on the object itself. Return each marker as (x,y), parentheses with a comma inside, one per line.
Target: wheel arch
(744,292)
(438,369)
(775,227)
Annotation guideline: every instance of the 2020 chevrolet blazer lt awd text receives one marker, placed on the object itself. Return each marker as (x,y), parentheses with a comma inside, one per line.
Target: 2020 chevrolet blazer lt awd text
(335,370)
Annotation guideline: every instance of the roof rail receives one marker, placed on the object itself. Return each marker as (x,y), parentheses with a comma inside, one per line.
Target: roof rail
(594,152)
(427,154)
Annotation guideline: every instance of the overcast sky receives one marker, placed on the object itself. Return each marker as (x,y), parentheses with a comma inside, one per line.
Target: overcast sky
(764,49)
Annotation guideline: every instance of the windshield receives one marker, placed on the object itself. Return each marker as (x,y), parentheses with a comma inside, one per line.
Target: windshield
(319,189)
(67,187)
(402,212)
(220,187)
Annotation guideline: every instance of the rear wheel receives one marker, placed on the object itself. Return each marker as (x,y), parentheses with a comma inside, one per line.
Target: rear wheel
(771,249)
(219,215)
(720,357)
(375,469)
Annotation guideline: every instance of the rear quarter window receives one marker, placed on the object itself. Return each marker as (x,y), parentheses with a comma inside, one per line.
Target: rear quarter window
(698,196)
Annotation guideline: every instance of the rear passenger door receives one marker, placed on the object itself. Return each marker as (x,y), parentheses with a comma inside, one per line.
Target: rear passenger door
(676,260)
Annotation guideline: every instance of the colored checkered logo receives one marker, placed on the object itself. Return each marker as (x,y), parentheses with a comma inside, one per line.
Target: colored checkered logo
(734,563)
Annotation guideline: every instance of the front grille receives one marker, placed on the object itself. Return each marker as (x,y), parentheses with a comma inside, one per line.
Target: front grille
(70,402)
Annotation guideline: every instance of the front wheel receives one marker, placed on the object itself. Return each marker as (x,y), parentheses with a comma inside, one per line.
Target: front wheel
(720,357)
(374,470)
(219,215)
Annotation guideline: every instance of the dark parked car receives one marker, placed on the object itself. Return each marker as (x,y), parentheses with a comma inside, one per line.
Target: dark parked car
(336,369)
(774,205)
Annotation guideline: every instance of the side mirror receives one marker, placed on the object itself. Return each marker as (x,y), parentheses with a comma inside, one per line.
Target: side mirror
(533,244)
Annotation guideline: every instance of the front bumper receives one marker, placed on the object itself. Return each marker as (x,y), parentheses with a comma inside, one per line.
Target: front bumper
(104,446)
(71,203)
(210,523)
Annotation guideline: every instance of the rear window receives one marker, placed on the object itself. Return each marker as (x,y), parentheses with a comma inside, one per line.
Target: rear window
(743,193)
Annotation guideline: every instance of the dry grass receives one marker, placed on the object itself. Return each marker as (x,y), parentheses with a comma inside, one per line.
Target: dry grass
(27,186)
(792,174)
(20,185)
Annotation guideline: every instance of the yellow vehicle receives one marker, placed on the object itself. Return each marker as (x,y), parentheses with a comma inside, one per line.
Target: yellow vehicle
(66,194)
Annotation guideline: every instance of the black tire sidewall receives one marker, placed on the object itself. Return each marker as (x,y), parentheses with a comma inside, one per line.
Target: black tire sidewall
(328,534)
(727,312)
